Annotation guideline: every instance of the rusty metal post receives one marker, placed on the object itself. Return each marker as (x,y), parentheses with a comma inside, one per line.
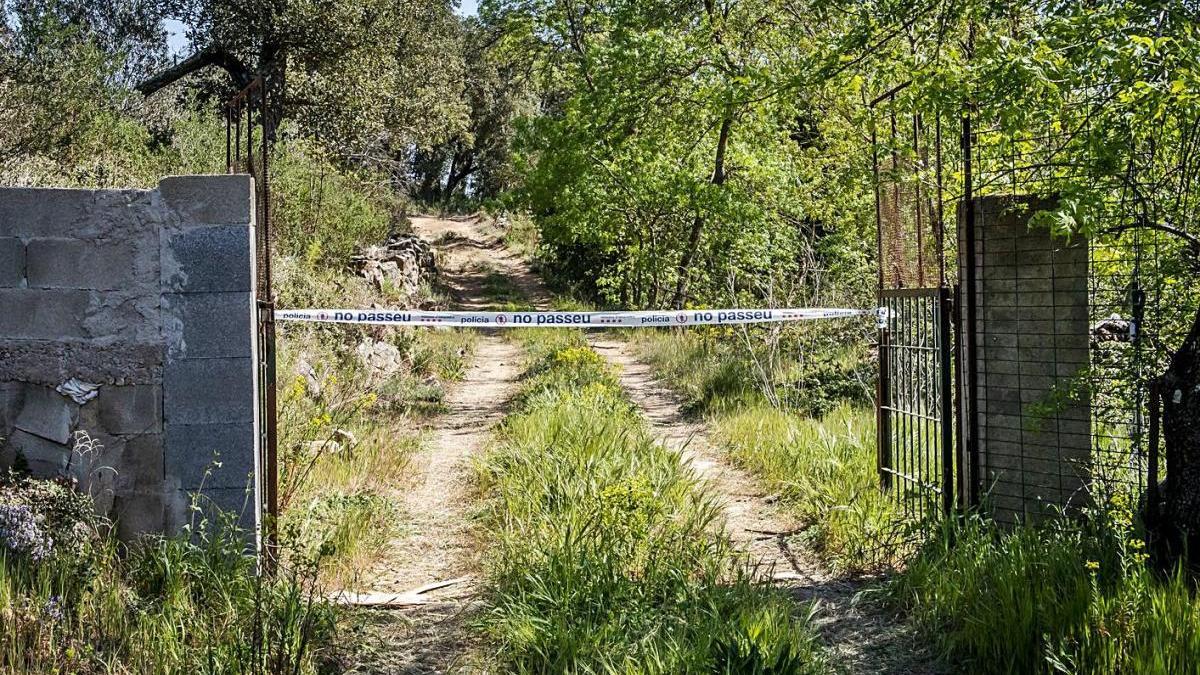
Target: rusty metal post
(883,420)
(945,311)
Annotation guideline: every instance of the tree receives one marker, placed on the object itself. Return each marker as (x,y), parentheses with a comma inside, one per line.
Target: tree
(371,78)
(63,67)
(669,153)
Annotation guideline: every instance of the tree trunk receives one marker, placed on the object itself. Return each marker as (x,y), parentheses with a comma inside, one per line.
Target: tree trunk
(693,243)
(1181,435)
(461,166)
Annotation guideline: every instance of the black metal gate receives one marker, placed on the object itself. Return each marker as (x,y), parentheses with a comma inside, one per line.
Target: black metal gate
(916,400)
(247,126)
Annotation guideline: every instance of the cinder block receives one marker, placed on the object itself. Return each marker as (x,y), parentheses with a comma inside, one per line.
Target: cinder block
(138,513)
(208,391)
(222,199)
(218,504)
(28,313)
(47,413)
(40,212)
(74,263)
(208,260)
(46,458)
(212,455)
(142,465)
(125,410)
(12,262)
(209,325)
(12,395)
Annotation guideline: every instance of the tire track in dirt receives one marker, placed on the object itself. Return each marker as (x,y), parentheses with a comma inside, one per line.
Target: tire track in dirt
(438,543)
(860,638)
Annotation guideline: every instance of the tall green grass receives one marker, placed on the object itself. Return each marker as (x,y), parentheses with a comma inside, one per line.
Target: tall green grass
(808,369)
(165,605)
(605,556)
(1067,596)
(823,471)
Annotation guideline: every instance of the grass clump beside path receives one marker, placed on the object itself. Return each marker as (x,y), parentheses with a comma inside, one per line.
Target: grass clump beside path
(1067,596)
(75,600)
(605,557)
(814,446)
(824,472)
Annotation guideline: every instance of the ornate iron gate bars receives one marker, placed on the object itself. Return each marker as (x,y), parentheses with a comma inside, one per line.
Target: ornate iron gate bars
(916,409)
(245,114)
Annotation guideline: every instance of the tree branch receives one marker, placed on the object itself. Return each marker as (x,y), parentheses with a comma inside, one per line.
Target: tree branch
(1192,240)
(209,56)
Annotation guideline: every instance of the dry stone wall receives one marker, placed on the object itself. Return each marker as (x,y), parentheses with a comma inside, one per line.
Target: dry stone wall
(129,315)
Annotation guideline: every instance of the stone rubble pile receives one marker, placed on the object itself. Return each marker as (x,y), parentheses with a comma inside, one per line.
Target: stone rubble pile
(400,265)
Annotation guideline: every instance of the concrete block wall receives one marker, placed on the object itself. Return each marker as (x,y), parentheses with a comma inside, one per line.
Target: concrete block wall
(141,304)
(1032,331)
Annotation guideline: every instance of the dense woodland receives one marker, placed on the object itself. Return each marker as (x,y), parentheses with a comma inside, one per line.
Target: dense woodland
(669,152)
(643,154)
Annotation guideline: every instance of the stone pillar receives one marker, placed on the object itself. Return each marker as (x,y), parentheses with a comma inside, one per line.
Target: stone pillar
(210,412)
(128,314)
(1032,330)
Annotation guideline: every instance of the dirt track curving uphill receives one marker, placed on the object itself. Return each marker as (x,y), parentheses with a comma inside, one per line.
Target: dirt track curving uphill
(430,638)
(438,544)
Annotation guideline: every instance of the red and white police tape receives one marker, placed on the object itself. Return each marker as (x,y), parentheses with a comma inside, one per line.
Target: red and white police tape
(633,319)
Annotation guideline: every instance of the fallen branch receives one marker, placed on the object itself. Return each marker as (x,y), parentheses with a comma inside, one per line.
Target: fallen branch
(385,600)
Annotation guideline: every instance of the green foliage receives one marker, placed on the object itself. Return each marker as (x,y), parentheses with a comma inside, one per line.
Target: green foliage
(168,605)
(325,213)
(1067,596)
(604,557)
(675,144)
(807,369)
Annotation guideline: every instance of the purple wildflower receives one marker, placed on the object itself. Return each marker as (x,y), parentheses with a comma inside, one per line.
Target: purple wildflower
(53,609)
(21,533)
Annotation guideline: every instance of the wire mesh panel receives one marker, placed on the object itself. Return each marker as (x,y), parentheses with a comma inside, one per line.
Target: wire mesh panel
(1029,408)
(1139,306)
(916,455)
(910,168)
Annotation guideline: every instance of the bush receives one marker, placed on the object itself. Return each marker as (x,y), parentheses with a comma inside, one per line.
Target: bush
(325,213)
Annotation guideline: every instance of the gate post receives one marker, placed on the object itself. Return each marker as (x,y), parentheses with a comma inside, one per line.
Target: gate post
(946,397)
(883,426)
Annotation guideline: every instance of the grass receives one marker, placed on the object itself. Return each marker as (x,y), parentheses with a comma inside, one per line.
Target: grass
(808,369)
(824,471)
(1068,596)
(798,421)
(1071,595)
(604,556)
(88,604)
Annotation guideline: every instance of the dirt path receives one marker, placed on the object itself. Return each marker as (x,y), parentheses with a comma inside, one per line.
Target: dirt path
(438,543)
(861,639)
(429,638)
